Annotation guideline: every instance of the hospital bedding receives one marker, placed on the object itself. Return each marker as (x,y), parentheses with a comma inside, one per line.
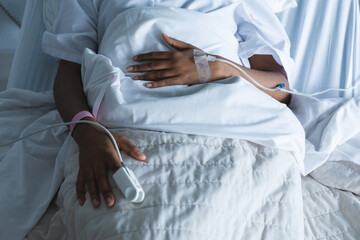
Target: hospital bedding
(325,38)
(212,197)
(187,195)
(333,218)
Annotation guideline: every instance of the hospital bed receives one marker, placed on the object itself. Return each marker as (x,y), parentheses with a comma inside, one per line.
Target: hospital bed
(325,37)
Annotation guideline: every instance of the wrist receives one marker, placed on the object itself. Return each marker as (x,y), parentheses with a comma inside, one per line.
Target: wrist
(81,129)
(221,70)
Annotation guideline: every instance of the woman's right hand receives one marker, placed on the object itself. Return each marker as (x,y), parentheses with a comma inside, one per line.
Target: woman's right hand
(97,155)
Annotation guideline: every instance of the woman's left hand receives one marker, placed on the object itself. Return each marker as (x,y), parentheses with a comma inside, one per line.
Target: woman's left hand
(171,68)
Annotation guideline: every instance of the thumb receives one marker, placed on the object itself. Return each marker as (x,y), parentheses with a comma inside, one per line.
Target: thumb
(179,45)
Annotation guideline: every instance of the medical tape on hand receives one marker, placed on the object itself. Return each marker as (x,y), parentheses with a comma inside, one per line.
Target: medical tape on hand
(202,66)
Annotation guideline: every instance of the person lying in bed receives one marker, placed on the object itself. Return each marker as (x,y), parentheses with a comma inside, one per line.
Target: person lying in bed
(82,24)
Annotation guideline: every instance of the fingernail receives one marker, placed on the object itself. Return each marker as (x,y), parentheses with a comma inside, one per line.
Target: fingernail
(129,68)
(95,202)
(109,201)
(141,154)
(81,202)
(135,57)
(148,85)
(135,78)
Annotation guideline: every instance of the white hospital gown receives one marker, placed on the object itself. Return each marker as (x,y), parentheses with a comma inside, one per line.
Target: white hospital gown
(82,23)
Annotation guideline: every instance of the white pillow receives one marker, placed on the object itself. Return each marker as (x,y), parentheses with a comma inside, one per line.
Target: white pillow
(230,108)
(141,30)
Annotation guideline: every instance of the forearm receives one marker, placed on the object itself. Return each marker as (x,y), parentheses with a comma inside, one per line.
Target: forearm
(69,95)
(268,74)
(68,91)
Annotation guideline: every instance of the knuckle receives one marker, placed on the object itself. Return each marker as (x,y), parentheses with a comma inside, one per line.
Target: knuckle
(135,148)
(101,174)
(135,68)
(161,84)
(106,191)
(94,196)
(177,54)
(177,63)
(152,65)
(178,72)
(89,178)
(150,76)
(122,139)
(159,75)
(106,194)
(80,185)
(79,191)
(167,82)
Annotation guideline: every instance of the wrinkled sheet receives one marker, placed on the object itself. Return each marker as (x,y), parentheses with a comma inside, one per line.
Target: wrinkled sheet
(332,129)
(325,45)
(30,172)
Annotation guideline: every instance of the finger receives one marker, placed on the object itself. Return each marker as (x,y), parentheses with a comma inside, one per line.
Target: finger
(153,56)
(80,187)
(166,82)
(180,45)
(127,146)
(92,188)
(160,75)
(105,189)
(151,66)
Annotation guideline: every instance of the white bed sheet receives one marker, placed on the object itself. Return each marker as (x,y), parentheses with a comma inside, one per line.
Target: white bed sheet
(325,38)
(31,68)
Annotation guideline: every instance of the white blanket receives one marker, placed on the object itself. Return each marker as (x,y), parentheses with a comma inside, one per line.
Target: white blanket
(196,188)
(331,213)
(138,30)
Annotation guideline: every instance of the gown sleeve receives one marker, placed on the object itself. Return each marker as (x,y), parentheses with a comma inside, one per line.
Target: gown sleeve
(260,32)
